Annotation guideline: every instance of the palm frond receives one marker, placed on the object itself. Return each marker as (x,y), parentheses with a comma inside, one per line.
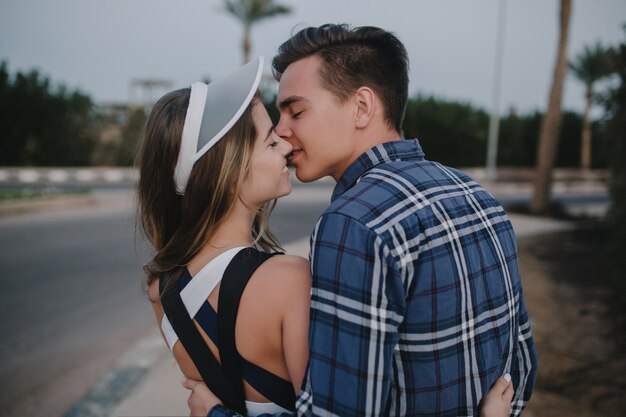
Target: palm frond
(592,64)
(251,11)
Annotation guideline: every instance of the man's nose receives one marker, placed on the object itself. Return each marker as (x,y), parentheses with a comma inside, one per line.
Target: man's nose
(281,129)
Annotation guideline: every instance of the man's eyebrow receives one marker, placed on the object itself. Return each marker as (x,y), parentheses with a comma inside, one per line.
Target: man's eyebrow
(289,101)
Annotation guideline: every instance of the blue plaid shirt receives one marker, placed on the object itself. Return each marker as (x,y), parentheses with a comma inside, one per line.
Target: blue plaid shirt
(417,304)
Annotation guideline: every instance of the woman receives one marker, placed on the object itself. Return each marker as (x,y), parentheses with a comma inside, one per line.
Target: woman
(195,213)
(210,169)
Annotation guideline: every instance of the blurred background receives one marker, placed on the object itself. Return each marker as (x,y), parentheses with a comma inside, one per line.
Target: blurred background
(528,96)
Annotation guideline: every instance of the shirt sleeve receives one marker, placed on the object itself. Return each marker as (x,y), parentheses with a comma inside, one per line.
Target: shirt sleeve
(357,304)
(524,366)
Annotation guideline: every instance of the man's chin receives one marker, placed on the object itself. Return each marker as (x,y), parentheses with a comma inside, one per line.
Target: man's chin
(304,177)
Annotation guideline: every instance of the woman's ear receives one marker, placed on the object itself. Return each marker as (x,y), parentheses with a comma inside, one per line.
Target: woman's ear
(365,100)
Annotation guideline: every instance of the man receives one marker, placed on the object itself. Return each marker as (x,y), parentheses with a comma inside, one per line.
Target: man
(417,304)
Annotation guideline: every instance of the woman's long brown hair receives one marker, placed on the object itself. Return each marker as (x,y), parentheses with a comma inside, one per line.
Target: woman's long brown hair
(178,226)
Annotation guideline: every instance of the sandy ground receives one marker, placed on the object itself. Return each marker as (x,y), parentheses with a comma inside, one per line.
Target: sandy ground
(581,370)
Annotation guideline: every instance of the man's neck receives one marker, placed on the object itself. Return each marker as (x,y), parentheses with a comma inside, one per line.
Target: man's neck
(365,143)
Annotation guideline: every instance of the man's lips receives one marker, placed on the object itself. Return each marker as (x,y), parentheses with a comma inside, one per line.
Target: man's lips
(293,153)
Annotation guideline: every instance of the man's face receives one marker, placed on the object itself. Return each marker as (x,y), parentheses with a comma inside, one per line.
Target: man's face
(317,125)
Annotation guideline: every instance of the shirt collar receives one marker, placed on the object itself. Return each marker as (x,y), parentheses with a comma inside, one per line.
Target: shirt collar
(397,150)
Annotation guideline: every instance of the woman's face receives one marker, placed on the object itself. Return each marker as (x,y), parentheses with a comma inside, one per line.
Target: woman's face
(268,176)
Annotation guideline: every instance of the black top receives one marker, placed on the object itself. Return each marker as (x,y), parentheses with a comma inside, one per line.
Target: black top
(220,327)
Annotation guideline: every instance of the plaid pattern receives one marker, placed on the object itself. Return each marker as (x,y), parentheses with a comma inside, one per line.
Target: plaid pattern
(417,303)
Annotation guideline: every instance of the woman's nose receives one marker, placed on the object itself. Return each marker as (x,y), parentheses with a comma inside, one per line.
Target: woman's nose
(287,147)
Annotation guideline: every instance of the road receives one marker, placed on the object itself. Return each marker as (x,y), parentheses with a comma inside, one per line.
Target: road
(71,300)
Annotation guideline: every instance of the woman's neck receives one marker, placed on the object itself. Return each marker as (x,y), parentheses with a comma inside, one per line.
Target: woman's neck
(235,230)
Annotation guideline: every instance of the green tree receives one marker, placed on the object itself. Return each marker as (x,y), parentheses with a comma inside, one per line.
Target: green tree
(450,132)
(131,133)
(250,12)
(42,125)
(590,66)
(548,136)
(518,139)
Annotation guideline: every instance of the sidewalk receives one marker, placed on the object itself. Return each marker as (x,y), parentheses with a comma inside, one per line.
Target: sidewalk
(146,381)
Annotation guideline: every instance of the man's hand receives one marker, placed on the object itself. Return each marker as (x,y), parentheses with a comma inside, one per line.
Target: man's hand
(497,402)
(201,399)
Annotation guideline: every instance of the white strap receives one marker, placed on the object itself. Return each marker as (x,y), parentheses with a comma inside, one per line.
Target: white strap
(198,290)
(187,155)
(213,110)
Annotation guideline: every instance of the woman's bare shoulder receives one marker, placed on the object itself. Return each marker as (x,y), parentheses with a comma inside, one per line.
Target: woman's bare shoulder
(283,274)
(282,284)
(286,267)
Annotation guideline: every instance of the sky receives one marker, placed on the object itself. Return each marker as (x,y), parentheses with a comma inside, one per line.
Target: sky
(100,46)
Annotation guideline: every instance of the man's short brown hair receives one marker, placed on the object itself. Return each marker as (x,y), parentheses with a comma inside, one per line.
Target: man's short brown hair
(352,58)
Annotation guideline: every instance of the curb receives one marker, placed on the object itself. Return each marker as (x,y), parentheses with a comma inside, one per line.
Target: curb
(45,203)
(119,382)
(526,226)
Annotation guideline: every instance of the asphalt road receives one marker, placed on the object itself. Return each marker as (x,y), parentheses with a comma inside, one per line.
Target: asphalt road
(71,300)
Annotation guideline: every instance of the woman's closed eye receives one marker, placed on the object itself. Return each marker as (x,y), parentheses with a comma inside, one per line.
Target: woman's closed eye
(275,139)
(271,135)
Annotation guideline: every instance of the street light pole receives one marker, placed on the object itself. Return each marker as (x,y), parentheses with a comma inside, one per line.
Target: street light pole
(494,120)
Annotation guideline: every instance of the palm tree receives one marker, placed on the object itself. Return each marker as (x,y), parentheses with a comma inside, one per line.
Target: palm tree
(249,12)
(590,66)
(549,133)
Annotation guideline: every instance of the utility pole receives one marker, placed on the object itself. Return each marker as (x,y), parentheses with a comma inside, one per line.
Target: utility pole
(494,120)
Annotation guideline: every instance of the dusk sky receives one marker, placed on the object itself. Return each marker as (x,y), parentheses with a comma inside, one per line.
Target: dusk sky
(100,46)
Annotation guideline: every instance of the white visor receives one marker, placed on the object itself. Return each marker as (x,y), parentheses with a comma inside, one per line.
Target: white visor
(212,112)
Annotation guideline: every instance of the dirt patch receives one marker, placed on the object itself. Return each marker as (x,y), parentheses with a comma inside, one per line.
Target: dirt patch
(582,371)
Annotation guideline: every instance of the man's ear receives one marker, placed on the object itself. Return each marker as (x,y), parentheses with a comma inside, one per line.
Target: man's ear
(365,100)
